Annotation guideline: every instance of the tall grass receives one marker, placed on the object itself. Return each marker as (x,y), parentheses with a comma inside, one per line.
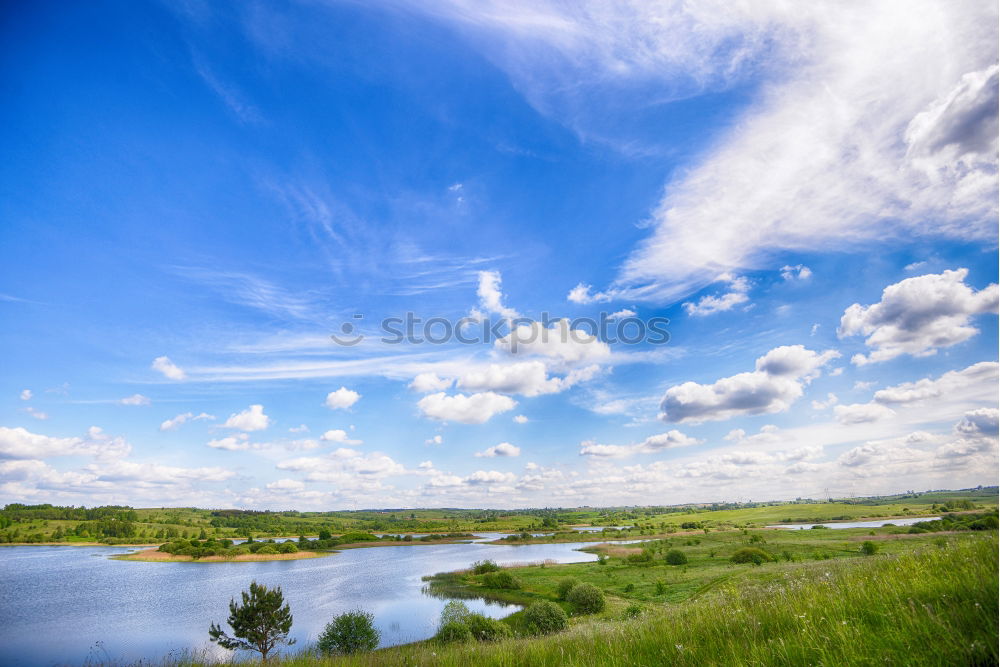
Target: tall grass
(937,606)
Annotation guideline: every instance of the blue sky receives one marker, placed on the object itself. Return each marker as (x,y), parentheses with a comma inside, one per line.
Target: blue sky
(195,196)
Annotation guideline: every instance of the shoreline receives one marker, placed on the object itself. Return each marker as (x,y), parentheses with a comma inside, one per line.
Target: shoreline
(155,556)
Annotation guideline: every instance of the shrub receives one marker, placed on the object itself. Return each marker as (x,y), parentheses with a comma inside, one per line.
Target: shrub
(501,579)
(565,586)
(484,566)
(267,549)
(629,587)
(750,555)
(869,548)
(644,557)
(454,612)
(487,629)
(544,618)
(287,548)
(350,632)
(633,610)
(453,632)
(676,557)
(661,588)
(586,599)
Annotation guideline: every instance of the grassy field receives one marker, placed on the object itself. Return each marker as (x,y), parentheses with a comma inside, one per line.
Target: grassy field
(928,600)
(25,524)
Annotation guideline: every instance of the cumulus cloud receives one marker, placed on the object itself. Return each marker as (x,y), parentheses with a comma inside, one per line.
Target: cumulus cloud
(232,443)
(776,383)
(529,378)
(26,394)
(426,383)
(471,409)
(491,296)
(581,294)
(711,304)
(918,315)
(503,449)
(862,413)
(342,399)
(436,440)
(490,477)
(135,399)
(340,436)
(831,400)
(797,272)
(169,369)
(37,414)
(176,422)
(251,419)
(983,375)
(560,342)
(286,485)
(343,466)
(651,445)
(19,443)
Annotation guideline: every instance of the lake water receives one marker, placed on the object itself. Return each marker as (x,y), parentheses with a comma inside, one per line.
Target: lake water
(61,605)
(856,524)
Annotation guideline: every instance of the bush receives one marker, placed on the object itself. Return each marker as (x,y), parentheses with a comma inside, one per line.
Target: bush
(501,579)
(565,586)
(267,549)
(454,612)
(484,566)
(351,632)
(487,629)
(287,548)
(453,632)
(676,557)
(644,557)
(869,548)
(750,555)
(586,599)
(633,610)
(544,618)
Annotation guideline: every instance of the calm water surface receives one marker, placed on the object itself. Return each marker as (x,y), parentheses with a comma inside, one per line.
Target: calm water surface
(857,524)
(61,605)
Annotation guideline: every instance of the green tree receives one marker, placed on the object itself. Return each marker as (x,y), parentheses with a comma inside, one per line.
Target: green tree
(869,548)
(350,632)
(565,586)
(260,623)
(586,599)
(676,557)
(544,618)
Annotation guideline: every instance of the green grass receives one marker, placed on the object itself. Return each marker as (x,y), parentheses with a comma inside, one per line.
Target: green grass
(935,605)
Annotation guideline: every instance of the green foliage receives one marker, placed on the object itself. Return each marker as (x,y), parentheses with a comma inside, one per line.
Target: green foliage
(564,586)
(751,555)
(453,632)
(266,549)
(545,618)
(487,629)
(484,566)
(288,548)
(676,557)
(502,579)
(869,548)
(454,612)
(633,611)
(645,556)
(260,623)
(350,632)
(586,599)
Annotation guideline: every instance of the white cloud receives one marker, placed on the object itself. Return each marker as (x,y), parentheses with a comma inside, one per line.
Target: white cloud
(797,272)
(984,374)
(342,399)
(436,440)
(19,443)
(471,409)
(831,400)
(862,413)
(622,314)
(339,435)
(503,449)
(426,383)
(581,294)
(286,485)
(26,394)
(37,414)
(301,428)
(520,419)
(490,477)
(168,368)
(528,378)
(651,445)
(776,383)
(346,467)
(135,399)
(491,297)
(711,304)
(251,419)
(559,342)
(918,315)
(176,422)
(232,443)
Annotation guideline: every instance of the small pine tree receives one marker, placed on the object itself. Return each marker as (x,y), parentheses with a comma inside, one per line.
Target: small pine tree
(259,624)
